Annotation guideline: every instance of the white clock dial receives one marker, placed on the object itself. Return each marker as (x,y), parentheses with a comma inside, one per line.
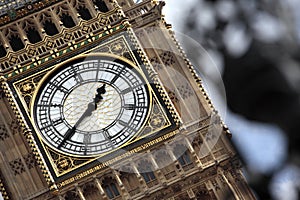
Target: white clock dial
(109,108)
(91,106)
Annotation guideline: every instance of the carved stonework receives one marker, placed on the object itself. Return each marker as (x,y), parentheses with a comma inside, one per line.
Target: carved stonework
(215,185)
(72,195)
(156,64)
(167,58)
(173,96)
(17,166)
(30,161)
(15,127)
(117,47)
(3,188)
(3,132)
(82,27)
(185,91)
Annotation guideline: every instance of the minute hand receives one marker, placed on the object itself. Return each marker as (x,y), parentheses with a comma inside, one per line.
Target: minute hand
(71,132)
(88,112)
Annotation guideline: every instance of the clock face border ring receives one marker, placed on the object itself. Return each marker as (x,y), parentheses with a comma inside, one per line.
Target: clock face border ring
(58,68)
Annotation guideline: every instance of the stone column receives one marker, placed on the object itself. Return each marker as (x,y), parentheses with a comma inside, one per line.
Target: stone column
(141,179)
(121,185)
(79,190)
(194,154)
(98,184)
(157,169)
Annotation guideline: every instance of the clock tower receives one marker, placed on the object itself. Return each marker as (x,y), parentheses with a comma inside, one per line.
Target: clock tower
(99,101)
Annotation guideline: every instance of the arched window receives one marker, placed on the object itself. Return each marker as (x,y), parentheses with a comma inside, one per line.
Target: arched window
(145,169)
(2,51)
(101,5)
(16,43)
(33,35)
(130,180)
(110,188)
(203,195)
(72,195)
(91,192)
(67,20)
(50,28)
(165,163)
(29,27)
(84,13)
(182,154)
(197,143)
(185,159)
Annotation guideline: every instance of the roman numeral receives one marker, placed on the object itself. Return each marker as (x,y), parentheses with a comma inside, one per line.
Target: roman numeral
(98,69)
(106,134)
(57,121)
(78,78)
(123,123)
(43,106)
(126,91)
(129,106)
(132,107)
(63,89)
(87,139)
(46,126)
(117,76)
(114,79)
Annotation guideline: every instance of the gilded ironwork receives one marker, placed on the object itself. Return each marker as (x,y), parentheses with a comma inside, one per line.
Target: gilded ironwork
(27,88)
(49,48)
(65,163)
(157,120)
(117,47)
(3,132)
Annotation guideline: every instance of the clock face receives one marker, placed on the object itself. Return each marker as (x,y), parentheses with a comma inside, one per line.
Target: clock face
(91,106)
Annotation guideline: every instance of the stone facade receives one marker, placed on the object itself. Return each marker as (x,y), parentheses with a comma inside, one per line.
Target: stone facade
(198,163)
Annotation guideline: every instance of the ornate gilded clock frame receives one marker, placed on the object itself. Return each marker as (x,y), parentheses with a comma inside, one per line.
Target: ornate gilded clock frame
(19,85)
(62,169)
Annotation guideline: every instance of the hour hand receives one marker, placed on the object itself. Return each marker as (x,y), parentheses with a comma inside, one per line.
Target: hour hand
(100,91)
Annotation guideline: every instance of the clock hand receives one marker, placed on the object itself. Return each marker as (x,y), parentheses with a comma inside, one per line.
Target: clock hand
(101,90)
(92,106)
(71,132)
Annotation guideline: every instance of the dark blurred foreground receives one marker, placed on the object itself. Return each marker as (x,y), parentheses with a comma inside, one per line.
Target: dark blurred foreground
(259,45)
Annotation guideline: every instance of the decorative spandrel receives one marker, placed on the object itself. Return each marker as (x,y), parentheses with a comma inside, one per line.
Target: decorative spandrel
(117,47)
(27,88)
(63,163)
(157,120)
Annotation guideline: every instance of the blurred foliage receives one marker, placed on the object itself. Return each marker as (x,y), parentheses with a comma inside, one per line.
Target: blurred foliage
(258,42)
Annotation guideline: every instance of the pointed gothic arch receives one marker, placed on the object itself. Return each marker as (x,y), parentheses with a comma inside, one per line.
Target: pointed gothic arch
(183,155)
(165,164)
(146,170)
(14,38)
(72,195)
(29,27)
(46,19)
(130,180)
(91,192)
(110,187)
(102,7)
